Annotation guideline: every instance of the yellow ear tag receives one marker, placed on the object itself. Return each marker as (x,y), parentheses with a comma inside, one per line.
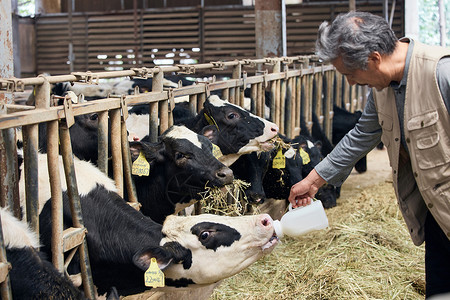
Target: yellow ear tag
(211,121)
(305,156)
(154,277)
(216,151)
(279,161)
(140,166)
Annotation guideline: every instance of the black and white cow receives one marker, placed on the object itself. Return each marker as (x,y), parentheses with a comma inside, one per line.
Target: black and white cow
(31,275)
(343,122)
(327,193)
(192,251)
(279,179)
(252,168)
(239,132)
(182,164)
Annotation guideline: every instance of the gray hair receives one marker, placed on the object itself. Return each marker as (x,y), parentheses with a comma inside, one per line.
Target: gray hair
(353,37)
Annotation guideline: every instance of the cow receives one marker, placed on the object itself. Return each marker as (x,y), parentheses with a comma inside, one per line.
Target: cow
(31,275)
(252,168)
(192,251)
(239,131)
(327,194)
(343,122)
(180,165)
(280,177)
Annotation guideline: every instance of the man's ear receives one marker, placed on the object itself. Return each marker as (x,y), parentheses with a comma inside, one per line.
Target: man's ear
(374,59)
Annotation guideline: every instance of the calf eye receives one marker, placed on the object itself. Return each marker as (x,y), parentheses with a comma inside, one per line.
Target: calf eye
(232,116)
(179,155)
(93,117)
(204,235)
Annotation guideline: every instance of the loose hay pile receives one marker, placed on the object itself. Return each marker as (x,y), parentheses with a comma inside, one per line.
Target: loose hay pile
(229,200)
(366,253)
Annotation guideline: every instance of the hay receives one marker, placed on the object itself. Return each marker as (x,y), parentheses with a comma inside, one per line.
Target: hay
(229,200)
(366,253)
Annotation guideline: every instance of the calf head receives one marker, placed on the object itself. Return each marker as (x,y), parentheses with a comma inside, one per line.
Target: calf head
(217,247)
(252,168)
(239,131)
(181,165)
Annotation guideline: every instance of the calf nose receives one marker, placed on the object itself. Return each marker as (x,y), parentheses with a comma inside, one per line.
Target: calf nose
(225,175)
(266,220)
(274,128)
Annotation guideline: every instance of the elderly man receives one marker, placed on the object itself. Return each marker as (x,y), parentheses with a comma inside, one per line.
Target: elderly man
(408,110)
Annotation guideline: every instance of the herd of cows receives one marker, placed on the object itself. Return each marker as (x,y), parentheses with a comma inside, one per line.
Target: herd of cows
(193,251)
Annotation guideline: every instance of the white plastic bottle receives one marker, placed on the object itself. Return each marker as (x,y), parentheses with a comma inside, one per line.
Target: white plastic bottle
(301,220)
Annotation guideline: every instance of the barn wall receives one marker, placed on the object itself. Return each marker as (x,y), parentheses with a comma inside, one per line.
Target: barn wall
(121,40)
(112,5)
(27,46)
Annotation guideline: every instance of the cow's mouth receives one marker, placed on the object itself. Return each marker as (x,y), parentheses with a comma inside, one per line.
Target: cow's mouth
(273,241)
(266,146)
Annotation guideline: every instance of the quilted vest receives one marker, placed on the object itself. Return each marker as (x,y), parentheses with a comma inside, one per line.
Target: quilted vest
(422,178)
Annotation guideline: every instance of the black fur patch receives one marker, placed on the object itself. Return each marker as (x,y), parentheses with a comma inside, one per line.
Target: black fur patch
(213,235)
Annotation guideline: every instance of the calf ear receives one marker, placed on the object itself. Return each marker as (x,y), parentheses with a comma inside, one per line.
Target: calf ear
(143,258)
(151,151)
(318,145)
(210,132)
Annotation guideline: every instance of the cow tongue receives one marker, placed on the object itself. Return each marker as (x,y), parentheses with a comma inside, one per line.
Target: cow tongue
(271,243)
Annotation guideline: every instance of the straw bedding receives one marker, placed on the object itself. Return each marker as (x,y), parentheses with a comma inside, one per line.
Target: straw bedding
(366,253)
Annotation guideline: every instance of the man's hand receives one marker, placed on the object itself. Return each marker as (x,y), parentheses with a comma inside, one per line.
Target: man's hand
(303,191)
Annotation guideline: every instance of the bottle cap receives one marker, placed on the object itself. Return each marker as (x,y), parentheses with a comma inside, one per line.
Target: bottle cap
(278,229)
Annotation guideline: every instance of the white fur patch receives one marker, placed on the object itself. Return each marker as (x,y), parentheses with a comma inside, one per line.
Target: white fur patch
(182,132)
(310,144)
(137,126)
(17,234)
(216,101)
(88,176)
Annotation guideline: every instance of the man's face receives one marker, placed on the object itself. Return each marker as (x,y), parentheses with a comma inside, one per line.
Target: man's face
(371,77)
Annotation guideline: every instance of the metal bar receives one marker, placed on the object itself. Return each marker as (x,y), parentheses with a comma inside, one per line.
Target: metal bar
(275,114)
(126,156)
(289,100)
(282,106)
(261,100)
(31,173)
(226,94)
(298,102)
(130,73)
(236,74)
(338,84)
(193,104)
(201,100)
(255,107)
(153,130)
(75,208)
(116,150)
(9,173)
(157,86)
(56,192)
(102,133)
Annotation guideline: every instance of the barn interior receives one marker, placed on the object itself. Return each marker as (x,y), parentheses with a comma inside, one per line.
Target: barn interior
(259,47)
